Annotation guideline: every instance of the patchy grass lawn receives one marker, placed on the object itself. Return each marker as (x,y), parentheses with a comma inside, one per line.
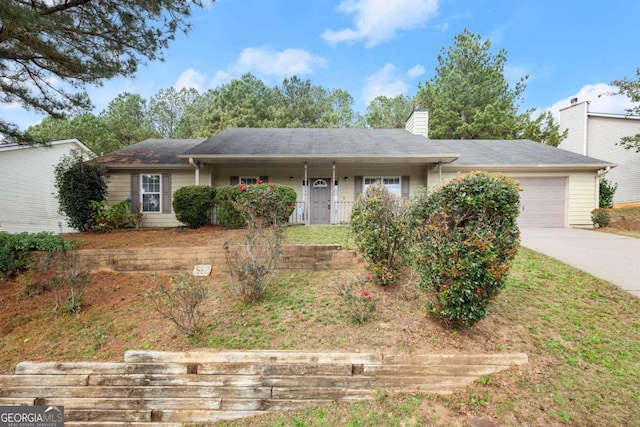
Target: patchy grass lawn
(331,234)
(582,336)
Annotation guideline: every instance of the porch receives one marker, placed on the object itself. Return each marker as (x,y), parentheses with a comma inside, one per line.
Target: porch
(305,213)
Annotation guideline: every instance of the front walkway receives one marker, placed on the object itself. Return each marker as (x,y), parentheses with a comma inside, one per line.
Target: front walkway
(604,255)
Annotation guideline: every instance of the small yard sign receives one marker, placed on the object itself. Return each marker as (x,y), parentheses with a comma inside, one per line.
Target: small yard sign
(202,270)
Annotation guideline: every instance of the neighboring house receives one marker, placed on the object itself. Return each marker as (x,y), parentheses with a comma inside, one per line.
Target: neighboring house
(27,186)
(597,135)
(329,168)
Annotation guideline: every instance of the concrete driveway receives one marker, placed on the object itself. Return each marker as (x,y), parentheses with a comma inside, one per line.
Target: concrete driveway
(607,256)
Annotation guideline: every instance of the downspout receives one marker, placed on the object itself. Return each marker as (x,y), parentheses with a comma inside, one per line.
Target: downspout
(195,165)
(440,172)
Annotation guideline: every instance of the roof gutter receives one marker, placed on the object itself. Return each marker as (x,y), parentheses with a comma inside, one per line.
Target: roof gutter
(533,167)
(295,158)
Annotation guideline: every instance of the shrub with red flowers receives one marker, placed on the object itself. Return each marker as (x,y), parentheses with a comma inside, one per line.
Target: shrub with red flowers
(272,201)
(358,299)
(465,239)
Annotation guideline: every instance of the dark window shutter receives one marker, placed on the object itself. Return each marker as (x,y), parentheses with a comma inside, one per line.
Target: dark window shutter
(404,187)
(234,180)
(357,185)
(166,193)
(264,179)
(135,193)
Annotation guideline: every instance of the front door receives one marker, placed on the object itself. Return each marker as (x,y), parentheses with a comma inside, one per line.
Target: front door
(320,201)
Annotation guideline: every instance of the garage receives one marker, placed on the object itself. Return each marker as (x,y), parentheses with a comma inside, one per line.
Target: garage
(543,202)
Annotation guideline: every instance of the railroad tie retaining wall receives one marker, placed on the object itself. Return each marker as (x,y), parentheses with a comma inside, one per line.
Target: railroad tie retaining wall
(172,388)
(131,260)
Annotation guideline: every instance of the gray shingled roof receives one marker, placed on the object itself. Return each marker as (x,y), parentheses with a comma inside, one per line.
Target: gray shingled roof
(514,153)
(316,142)
(151,152)
(245,144)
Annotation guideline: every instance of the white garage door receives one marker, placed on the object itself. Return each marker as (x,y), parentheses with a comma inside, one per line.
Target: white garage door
(542,202)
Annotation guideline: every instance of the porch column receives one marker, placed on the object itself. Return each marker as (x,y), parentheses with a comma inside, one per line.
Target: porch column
(334,196)
(305,199)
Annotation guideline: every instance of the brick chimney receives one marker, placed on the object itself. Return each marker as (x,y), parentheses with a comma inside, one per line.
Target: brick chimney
(418,122)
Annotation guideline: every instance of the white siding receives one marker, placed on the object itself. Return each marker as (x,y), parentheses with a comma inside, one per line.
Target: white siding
(603,132)
(581,191)
(418,123)
(574,119)
(27,188)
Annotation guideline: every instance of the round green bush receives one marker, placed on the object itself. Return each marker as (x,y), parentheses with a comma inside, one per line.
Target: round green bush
(193,204)
(226,213)
(466,237)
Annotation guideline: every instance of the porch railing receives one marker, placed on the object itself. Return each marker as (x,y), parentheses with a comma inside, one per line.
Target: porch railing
(341,213)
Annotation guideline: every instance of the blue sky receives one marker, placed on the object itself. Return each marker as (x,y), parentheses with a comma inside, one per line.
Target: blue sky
(568,48)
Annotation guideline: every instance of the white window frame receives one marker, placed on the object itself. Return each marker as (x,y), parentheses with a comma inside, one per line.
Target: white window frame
(143,192)
(387,181)
(248,180)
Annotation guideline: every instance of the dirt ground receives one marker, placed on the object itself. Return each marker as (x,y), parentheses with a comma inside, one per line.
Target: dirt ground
(154,237)
(626,218)
(116,317)
(124,294)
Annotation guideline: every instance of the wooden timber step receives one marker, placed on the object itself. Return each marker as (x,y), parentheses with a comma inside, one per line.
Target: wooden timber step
(172,388)
(170,260)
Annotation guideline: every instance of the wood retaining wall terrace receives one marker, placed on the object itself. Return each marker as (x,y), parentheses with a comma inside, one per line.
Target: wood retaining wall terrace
(167,260)
(169,389)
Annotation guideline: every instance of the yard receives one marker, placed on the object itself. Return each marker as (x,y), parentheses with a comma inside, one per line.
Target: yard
(582,336)
(625,221)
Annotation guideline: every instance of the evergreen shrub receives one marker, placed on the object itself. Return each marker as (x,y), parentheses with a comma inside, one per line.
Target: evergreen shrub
(273,201)
(192,204)
(466,238)
(377,221)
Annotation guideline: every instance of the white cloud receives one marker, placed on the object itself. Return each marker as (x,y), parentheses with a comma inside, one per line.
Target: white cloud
(376,21)
(415,71)
(284,63)
(601,100)
(387,81)
(191,78)
(221,77)
(266,62)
